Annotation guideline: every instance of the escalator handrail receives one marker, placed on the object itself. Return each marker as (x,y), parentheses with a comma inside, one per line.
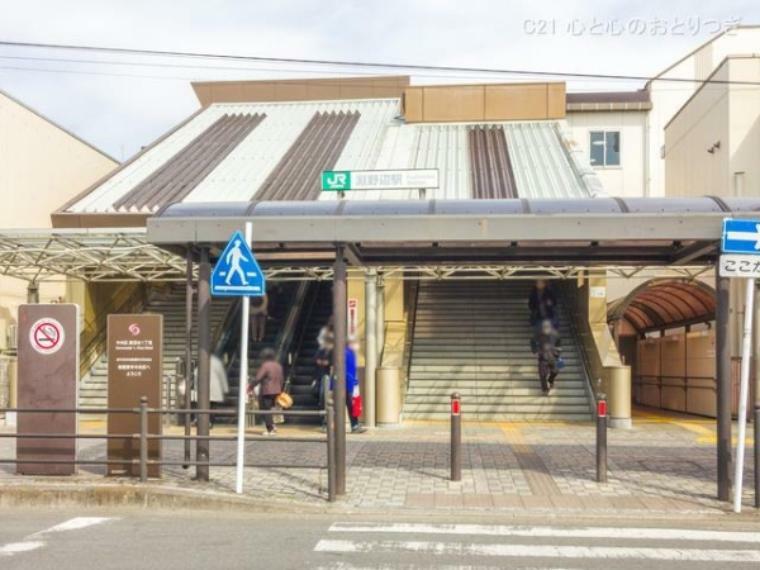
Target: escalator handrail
(287,331)
(312,302)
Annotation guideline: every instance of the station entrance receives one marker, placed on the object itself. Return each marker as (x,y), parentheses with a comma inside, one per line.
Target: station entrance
(432,269)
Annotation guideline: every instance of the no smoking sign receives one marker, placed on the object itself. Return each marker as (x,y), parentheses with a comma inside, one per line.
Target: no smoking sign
(46,336)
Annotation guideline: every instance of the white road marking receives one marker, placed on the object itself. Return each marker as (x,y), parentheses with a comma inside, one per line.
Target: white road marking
(18,547)
(536,551)
(28,544)
(348,566)
(76,523)
(548,531)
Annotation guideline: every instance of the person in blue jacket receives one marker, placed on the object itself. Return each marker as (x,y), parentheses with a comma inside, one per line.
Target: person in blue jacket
(352,383)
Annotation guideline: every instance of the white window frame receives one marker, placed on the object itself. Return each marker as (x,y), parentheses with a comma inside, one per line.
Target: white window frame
(604,132)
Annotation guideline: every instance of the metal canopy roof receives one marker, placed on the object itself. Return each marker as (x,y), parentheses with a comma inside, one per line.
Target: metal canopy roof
(664,303)
(101,255)
(630,232)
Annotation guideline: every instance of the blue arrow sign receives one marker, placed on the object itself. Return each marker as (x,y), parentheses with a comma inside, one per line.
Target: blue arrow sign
(741,236)
(237,273)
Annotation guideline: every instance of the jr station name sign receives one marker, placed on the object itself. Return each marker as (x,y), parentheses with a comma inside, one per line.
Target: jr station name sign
(404,179)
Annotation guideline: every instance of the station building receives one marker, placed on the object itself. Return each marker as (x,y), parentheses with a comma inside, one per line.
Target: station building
(540,176)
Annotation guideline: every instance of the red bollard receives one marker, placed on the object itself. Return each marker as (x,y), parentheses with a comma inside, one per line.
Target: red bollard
(601,440)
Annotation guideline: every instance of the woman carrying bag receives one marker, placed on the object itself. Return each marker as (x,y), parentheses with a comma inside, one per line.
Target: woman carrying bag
(271,381)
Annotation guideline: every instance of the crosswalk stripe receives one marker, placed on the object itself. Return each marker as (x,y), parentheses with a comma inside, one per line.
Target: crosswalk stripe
(29,545)
(536,551)
(548,531)
(349,566)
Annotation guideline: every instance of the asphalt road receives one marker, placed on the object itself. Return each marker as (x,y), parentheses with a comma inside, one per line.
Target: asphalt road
(111,539)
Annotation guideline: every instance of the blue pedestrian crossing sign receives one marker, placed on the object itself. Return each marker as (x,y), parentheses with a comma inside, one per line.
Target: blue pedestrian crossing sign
(741,236)
(237,273)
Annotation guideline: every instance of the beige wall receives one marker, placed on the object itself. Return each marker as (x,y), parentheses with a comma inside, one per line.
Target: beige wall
(318,89)
(668,97)
(484,102)
(689,169)
(626,180)
(718,113)
(41,166)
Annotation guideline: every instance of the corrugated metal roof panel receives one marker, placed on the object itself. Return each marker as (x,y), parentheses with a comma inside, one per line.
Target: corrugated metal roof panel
(297,175)
(185,170)
(541,163)
(244,170)
(492,175)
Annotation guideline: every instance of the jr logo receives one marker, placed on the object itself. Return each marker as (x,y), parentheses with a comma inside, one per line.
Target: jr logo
(336,180)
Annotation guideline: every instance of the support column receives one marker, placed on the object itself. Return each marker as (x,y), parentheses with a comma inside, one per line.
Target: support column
(204,355)
(756,416)
(189,292)
(33,293)
(370,349)
(339,365)
(723,376)
(380,340)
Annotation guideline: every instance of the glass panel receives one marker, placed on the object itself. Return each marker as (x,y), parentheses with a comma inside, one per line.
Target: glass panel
(597,148)
(613,148)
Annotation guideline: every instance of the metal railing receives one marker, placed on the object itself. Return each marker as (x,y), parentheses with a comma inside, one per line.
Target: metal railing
(662,382)
(143,437)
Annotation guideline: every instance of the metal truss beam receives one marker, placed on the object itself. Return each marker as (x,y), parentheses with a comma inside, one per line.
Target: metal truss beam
(126,255)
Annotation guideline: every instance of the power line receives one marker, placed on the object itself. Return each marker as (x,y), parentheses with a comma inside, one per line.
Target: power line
(360,64)
(217,68)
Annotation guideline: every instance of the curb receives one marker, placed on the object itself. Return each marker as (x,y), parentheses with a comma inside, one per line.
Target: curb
(143,496)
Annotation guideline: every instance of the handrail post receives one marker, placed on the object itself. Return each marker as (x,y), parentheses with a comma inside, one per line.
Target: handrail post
(601,439)
(143,439)
(456,437)
(330,420)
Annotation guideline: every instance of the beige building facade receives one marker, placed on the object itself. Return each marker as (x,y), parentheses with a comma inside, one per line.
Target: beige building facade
(712,144)
(41,166)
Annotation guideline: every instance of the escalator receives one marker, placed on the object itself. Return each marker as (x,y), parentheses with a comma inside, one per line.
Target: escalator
(227,344)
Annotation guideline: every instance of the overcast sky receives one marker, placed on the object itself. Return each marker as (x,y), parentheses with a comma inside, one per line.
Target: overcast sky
(121,107)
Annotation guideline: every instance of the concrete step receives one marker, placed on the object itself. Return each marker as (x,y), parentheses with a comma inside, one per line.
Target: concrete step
(527,388)
(490,416)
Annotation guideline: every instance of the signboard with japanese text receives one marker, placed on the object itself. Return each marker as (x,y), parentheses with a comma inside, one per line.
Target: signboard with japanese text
(353,317)
(135,344)
(343,180)
(739,265)
(48,377)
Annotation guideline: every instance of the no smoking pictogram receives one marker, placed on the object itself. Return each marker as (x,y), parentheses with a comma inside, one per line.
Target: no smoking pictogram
(46,336)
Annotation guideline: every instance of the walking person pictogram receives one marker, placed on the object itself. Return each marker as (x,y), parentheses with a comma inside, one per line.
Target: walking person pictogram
(233,259)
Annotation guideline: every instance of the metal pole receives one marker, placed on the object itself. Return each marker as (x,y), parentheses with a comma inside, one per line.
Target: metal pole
(33,293)
(456,437)
(380,334)
(243,381)
(756,418)
(204,356)
(370,353)
(189,292)
(143,439)
(330,412)
(723,377)
(601,440)
(741,420)
(339,364)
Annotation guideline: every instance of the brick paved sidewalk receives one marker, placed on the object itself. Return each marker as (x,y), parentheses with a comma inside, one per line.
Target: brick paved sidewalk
(664,464)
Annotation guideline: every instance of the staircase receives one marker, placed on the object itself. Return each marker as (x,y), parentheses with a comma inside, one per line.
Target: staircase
(93,390)
(474,338)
